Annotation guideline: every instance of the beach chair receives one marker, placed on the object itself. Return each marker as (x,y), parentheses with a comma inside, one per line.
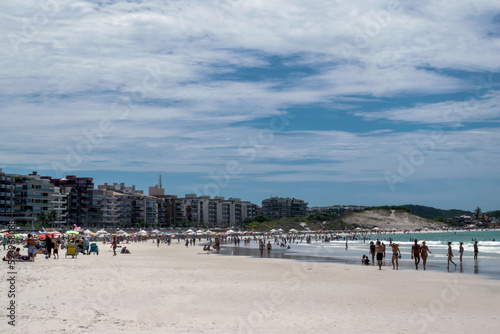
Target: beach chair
(94,248)
(71,250)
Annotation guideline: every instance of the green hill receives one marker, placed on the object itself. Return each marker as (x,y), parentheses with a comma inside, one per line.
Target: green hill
(432,213)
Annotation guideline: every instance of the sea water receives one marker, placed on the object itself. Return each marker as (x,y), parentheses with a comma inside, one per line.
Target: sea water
(488,262)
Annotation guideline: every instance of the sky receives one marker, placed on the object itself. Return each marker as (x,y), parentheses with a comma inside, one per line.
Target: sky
(333,102)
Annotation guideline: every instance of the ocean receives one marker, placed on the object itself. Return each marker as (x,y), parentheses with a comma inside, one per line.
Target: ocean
(488,263)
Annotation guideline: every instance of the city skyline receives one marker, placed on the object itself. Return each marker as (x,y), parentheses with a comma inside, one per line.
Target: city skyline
(367,103)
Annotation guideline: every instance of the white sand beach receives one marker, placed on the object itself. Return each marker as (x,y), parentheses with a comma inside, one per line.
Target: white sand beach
(174,289)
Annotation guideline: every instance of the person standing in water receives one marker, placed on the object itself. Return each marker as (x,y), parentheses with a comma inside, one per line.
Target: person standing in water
(380,254)
(475,250)
(461,250)
(450,255)
(423,251)
(415,253)
(395,254)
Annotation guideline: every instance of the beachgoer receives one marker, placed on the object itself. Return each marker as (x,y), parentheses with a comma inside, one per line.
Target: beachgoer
(476,250)
(4,241)
(48,245)
(113,244)
(269,248)
(158,242)
(56,249)
(395,255)
(415,253)
(423,251)
(86,245)
(450,255)
(125,251)
(372,251)
(187,242)
(379,249)
(461,250)
(261,248)
(31,243)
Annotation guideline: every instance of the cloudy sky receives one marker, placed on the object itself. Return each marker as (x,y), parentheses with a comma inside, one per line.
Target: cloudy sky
(334,102)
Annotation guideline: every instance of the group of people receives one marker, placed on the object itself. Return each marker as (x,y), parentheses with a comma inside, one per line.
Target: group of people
(418,252)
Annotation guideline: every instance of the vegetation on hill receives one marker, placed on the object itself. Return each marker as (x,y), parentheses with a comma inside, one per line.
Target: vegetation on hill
(313,222)
(492,214)
(433,213)
(389,207)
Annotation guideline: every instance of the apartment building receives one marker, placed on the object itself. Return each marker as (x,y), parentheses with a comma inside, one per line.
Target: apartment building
(279,207)
(6,198)
(32,195)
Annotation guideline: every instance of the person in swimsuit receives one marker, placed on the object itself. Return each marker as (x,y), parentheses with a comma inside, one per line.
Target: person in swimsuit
(372,251)
(415,253)
(423,250)
(450,255)
(475,250)
(461,250)
(380,254)
(395,255)
(113,244)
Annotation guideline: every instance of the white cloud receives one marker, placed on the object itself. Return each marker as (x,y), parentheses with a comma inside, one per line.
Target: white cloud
(187,60)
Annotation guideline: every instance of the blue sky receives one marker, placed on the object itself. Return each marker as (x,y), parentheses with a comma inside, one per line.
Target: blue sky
(333,102)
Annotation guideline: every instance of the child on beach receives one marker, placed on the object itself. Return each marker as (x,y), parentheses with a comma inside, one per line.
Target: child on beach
(56,248)
(450,255)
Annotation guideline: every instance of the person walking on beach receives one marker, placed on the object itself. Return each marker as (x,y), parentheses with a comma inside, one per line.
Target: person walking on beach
(158,242)
(476,250)
(380,254)
(269,248)
(372,251)
(48,246)
(415,253)
(113,244)
(450,255)
(461,250)
(395,254)
(423,251)
(4,241)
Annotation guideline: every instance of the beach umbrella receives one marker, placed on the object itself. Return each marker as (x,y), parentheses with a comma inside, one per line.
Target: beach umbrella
(293,230)
(72,232)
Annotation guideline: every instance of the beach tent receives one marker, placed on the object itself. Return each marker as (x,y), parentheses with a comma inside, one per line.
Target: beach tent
(155,231)
(293,230)
(121,231)
(102,232)
(87,231)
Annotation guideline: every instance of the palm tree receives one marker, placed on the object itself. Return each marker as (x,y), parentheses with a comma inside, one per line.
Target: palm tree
(42,217)
(477,213)
(53,215)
